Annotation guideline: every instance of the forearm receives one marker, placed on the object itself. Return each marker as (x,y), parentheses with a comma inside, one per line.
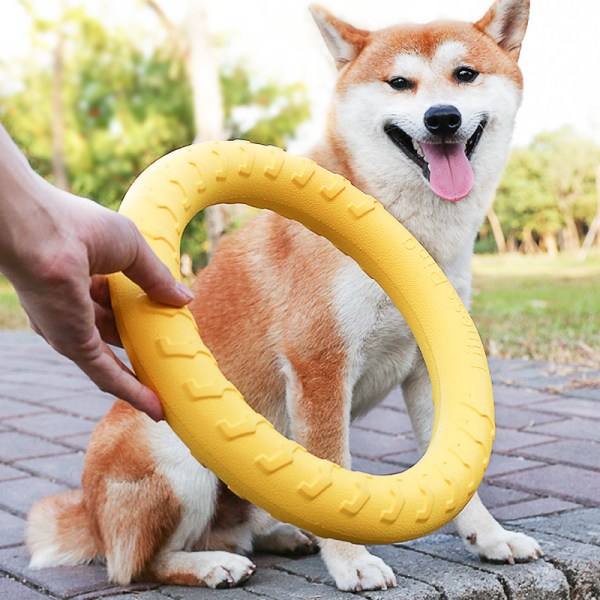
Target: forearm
(20,207)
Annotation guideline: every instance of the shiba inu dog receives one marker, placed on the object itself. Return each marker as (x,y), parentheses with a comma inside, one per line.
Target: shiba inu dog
(421,119)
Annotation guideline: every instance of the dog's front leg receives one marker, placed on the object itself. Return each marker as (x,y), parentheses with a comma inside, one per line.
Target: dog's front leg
(319,408)
(481,533)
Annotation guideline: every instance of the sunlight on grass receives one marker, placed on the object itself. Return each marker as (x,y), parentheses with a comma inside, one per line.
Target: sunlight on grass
(537,307)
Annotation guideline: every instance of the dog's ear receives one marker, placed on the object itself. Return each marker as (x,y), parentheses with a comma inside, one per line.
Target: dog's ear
(343,40)
(506,22)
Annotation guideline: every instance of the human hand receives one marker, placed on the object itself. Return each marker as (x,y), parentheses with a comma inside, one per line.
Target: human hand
(56,249)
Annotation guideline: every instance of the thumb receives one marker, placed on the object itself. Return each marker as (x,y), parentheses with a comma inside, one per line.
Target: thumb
(116,244)
(151,274)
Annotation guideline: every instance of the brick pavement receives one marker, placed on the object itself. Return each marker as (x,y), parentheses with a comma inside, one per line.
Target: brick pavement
(544,477)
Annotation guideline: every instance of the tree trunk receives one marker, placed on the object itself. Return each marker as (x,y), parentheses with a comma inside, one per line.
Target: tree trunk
(594,231)
(570,234)
(59,167)
(203,70)
(497,230)
(550,243)
(528,245)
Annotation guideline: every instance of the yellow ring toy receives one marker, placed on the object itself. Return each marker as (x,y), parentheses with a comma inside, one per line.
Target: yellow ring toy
(210,415)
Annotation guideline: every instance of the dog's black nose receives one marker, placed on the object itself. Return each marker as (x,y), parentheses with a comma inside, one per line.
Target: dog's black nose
(443,120)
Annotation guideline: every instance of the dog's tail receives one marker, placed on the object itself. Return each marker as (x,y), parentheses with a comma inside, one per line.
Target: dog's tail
(59,532)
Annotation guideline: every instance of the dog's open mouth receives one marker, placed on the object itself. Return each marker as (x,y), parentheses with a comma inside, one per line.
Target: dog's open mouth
(445,165)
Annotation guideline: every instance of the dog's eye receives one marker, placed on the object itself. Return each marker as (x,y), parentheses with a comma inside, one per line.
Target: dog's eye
(465,75)
(400,84)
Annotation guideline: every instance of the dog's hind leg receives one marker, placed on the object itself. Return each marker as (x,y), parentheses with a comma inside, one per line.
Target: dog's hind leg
(481,533)
(318,397)
(271,535)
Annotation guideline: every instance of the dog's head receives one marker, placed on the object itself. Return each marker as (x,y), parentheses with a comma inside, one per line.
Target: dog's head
(424,100)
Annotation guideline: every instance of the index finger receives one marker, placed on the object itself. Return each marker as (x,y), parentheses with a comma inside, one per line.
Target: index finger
(113,377)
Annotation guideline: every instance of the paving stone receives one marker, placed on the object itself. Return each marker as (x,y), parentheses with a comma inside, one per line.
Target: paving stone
(371,444)
(87,405)
(508,440)
(454,581)
(573,407)
(385,420)
(53,425)
(502,465)
(15,445)
(394,401)
(571,428)
(580,563)
(79,442)
(375,467)
(18,495)
(278,585)
(580,525)
(313,569)
(74,380)
(588,393)
(493,496)
(512,396)
(139,595)
(532,508)
(584,453)
(11,530)
(7,473)
(64,582)
(512,417)
(15,590)
(568,483)
(66,468)
(13,408)
(403,460)
(197,593)
(134,591)
(29,392)
(530,581)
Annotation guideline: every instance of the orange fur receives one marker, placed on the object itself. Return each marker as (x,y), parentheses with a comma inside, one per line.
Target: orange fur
(266,308)
(376,59)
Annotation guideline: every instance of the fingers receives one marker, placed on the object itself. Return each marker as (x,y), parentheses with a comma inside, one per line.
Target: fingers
(103,313)
(154,278)
(121,247)
(112,376)
(65,316)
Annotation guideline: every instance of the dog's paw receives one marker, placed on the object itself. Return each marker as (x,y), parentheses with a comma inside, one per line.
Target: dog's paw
(366,572)
(504,546)
(286,539)
(226,570)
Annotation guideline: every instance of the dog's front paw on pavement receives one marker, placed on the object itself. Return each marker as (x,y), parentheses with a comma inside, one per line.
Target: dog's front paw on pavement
(367,572)
(226,570)
(505,547)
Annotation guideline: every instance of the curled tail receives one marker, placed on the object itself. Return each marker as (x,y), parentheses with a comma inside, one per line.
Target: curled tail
(59,532)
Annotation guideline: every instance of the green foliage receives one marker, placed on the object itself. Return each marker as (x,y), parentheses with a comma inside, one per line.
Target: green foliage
(127,104)
(548,184)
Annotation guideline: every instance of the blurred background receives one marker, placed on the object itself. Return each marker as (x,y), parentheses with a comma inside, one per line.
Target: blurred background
(95,90)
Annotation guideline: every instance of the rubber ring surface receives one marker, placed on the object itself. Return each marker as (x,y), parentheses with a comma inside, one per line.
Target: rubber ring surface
(210,415)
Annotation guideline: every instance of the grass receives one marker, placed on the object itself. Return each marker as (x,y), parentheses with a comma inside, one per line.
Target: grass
(537,307)
(12,316)
(524,306)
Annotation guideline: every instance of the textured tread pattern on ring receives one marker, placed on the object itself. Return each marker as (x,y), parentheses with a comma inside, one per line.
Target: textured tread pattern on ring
(362,508)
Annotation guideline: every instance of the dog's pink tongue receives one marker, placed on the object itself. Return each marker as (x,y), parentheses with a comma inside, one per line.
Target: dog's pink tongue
(451,176)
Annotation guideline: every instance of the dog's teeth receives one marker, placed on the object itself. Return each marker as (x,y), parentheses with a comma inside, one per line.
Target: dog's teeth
(417,148)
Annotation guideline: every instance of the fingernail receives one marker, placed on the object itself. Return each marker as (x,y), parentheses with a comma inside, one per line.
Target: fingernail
(184,291)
